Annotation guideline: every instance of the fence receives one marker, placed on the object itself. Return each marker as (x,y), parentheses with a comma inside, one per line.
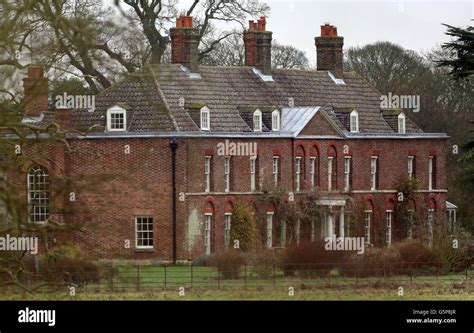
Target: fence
(322,275)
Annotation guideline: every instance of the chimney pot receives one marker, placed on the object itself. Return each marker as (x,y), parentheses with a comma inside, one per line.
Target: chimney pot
(329,50)
(258,46)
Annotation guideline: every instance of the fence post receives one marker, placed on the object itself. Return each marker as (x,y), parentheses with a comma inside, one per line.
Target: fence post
(245,276)
(112,277)
(273,274)
(138,277)
(165,278)
(218,278)
(192,276)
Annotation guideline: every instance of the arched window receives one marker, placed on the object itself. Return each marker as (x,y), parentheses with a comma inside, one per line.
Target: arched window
(38,194)
(257,121)
(205,119)
(354,121)
(275,120)
(401,123)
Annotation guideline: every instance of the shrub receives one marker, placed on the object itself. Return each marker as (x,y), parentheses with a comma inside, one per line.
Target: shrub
(452,259)
(263,262)
(311,258)
(374,262)
(243,227)
(229,264)
(415,254)
(205,260)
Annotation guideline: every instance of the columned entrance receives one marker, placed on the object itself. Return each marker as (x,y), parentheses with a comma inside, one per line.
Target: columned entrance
(333,221)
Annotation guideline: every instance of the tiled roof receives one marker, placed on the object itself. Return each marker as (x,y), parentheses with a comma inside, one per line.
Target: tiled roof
(156,94)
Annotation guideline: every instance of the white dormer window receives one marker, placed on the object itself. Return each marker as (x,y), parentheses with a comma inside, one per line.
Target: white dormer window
(401,123)
(275,120)
(354,121)
(116,119)
(257,121)
(205,119)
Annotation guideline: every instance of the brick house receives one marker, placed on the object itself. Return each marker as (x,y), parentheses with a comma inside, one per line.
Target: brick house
(181,143)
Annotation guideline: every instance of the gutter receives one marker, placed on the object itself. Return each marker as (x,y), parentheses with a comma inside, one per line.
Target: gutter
(174,146)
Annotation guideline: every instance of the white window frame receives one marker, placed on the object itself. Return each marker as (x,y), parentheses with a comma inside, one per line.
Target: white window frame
(312,171)
(367,225)
(38,187)
(275,120)
(114,111)
(411,165)
(143,232)
(257,121)
(207,233)
(430,172)
(207,173)
(298,173)
(205,118)
(275,169)
(253,173)
(374,160)
(401,123)
(388,226)
(330,172)
(227,174)
(269,229)
(227,226)
(347,172)
(354,121)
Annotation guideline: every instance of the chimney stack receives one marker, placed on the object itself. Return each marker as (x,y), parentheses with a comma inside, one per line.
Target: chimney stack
(329,50)
(35,87)
(184,43)
(258,46)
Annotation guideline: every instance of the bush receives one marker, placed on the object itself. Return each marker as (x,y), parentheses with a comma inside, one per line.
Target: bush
(229,264)
(311,259)
(263,262)
(205,261)
(374,262)
(415,254)
(243,227)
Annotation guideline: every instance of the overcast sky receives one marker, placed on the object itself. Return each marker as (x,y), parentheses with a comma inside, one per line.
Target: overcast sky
(414,24)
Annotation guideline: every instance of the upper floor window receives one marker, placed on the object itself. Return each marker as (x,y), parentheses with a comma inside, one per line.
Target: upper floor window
(275,169)
(313,174)
(207,173)
(373,172)
(116,119)
(227,174)
(257,121)
(354,121)
(253,173)
(275,120)
(205,119)
(432,172)
(401,123)
(411,166)
(38,194)
(347,173)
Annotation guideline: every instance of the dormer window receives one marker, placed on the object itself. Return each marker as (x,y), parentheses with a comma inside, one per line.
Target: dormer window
(354,121)
(257,121)
(205,119)
(275,120)
(116,119)
(401,123)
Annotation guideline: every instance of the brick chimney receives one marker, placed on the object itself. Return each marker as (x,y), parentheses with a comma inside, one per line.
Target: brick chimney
(35,86)
(62,117)
(329,50)
(258,46)
(184,43)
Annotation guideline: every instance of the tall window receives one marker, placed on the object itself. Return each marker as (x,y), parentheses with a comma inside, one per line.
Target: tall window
(401,123)
(207,233)
(432,172)
(257,121)
(227,221)
(144,232)
(116,119)
(275,169)
(388,229)
(38,194)
(373,172)
(347,173)
(354,121)
(368,222)
(330,171)
(411,166)
(283,233)
(298,231)
(207,173)
(298,173)
(313,171)
(205,119)
(269,230)
(226,174)
(253,173)
(275,120)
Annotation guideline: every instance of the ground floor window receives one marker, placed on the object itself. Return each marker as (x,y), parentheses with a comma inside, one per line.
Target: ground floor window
(207,233)
(227,221)
(388,230)
(368,221)
(144,232)
(269,230)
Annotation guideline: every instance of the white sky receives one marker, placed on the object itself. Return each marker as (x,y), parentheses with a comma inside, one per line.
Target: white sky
(414,24)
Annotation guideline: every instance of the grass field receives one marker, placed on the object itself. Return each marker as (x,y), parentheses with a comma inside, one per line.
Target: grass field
(204,283)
